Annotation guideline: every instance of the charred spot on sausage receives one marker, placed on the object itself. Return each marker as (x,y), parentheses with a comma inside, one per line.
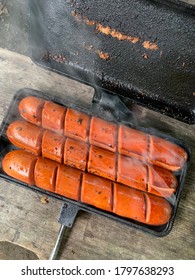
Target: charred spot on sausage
(80,120)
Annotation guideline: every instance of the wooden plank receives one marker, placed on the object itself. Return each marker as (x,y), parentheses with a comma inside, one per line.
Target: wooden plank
(27,222)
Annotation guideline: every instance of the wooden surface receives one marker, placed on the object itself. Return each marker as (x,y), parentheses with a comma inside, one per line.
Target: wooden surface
(26,221)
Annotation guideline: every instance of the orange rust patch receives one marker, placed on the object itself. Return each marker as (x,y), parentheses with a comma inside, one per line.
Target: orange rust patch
(106,30)
(116,34)
(150,46)
(102,55)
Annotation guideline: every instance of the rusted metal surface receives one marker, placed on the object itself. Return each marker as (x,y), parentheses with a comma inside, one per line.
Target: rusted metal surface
(150,46)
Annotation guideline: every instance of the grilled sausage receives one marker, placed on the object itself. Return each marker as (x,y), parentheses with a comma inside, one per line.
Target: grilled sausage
(52,145)
(103,134)
(102,162)
(23,136)
(75,154)
(151,149)
(87,188)
(53,117)
(126,170)
(97,191)
(133,143)
(32,112)
(148,208)
(165,154)
(20,165)
(76,125)
(80,126)
(68,182)
(45,174)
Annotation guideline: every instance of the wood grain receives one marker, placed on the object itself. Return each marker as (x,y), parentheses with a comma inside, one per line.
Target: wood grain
(26,221)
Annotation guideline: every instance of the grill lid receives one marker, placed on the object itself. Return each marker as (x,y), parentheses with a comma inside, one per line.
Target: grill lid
(140,50)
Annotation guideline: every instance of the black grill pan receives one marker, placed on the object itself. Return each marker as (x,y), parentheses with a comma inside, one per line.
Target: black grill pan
(6,146)
(64,38)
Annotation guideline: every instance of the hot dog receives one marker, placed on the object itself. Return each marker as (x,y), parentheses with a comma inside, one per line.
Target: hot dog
(127,141)
(83,156)
(33,112)
(75,154)
(20,165)
(76,125)
(20,134)
(87,188)
(53,117)
(52,145)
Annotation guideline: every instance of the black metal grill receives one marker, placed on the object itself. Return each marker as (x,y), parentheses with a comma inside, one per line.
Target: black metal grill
(157,70)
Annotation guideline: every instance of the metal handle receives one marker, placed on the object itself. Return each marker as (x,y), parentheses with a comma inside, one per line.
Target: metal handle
(114,105)
(66,219)
(56,247)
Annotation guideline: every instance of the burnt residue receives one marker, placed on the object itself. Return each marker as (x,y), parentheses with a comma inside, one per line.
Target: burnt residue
(145,56)
(80,120)
(47,56)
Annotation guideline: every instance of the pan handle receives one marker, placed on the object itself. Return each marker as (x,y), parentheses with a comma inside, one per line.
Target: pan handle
(66,219)
(103,101)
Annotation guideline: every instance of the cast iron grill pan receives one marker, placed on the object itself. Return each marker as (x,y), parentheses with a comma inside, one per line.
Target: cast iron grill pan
(6,146)
(65,37)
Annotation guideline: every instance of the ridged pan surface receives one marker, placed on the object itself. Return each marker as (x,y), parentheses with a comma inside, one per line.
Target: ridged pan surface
(142,50)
